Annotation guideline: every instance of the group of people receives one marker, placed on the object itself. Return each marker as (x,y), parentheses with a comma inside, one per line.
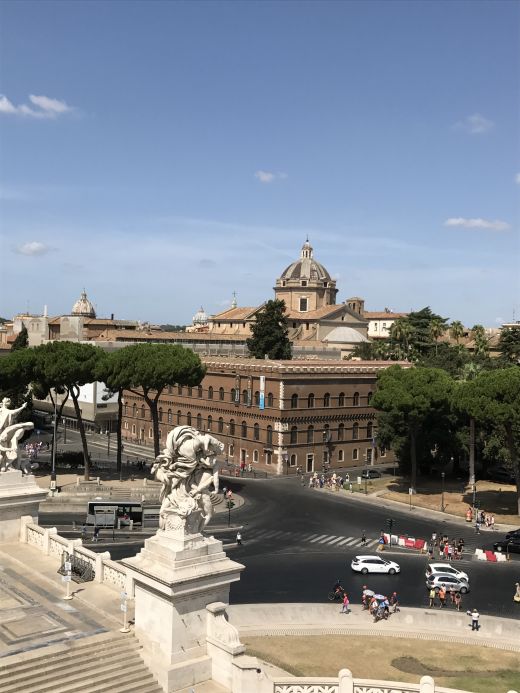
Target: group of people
(32,449)
(445,597)
(333,482)
(447,549)
(378,605)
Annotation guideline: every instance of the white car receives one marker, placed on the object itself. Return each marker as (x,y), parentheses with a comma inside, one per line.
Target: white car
(374,564)
(448,581)
(445,569)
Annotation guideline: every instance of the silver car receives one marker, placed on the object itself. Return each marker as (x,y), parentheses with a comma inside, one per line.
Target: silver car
(449,582)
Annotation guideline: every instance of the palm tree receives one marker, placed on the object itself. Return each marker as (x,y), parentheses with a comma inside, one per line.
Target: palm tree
(401,331)
(437,329)
(456,330)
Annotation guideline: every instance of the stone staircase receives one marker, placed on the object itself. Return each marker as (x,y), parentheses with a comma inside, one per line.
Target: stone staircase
(105,663)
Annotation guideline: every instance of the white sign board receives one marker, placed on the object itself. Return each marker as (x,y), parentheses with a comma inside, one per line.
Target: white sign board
(123,607)
(359,481)
(410,491)
(66,578)
(67,566)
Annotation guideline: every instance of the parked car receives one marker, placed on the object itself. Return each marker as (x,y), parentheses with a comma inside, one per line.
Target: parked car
(513,534)
(445,569)
(448,581)
(501,474)
(374,564)
(508,545)
(371,474)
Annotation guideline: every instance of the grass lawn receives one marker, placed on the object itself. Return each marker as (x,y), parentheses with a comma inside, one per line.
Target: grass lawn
(466,667)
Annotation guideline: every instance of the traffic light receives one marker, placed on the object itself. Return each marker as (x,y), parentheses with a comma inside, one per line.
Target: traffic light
(389,523)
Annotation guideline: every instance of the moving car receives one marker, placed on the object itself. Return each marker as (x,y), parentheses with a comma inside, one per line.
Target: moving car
(448,581)
(371,474)
(445,569)
(514,534)
(508,545)
(374,564)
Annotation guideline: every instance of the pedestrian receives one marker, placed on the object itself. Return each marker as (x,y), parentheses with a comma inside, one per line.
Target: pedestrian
(96,534)
(492,522)
(394,603)
(442,596)
(344,608)
(474,619)
(452,595)
(446,552)
(224,491)
(363,538)
(430,552)
(364,598)
(477,527)
(84,530)
(239,538)
(516,595)
(458,600)
(450,552)
(432,596)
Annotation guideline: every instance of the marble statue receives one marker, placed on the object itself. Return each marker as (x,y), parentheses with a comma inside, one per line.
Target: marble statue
(187,468)
(10,435)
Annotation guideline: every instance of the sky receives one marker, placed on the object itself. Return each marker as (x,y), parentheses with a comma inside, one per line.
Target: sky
(162,155)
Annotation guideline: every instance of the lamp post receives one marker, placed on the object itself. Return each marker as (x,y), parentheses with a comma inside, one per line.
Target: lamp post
(442,498)
(366,473)
(54,443)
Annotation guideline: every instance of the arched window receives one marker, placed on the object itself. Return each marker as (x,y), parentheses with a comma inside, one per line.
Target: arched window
(244,397)
(142,411)
(355,454)
(134,411)
(355,399)
(369,397)
(199,391)
(221,394)
(268,457)
(310,400)
(257,398)
(210,392)
(220,425)
(293,460)
(326,433)
(370,427)
(294,435)
(341,399)
(255,456)
(355,431)
(125,409)
(170,419)
(233,393)
(243,431)
(310,434)
(188,418)
(179,417)
(210,423)
(269,435)
(232,427)
(294,401)
(256,432)
(199,422)
(270,399)
(341,455)
(160,413)
(326,400)
(341,432)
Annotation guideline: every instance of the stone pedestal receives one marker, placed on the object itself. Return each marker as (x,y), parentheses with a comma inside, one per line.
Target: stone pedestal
(19,495)
(175,577)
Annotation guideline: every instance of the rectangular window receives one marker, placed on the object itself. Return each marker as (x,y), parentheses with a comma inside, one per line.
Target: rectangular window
(126,424)
(255,455)
(355,454)
(303,305)
(133,429)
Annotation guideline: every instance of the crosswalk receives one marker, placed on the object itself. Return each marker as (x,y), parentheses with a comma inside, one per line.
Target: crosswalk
(310,540)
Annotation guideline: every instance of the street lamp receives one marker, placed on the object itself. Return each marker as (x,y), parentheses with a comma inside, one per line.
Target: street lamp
(54,442)
(442,499)
(366,473)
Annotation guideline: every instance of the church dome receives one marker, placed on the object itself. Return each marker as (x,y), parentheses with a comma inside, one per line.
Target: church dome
(83,306)
(306,267)
(345,335)
(200,317)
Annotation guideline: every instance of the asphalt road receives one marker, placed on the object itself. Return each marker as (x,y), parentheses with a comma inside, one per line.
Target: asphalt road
(298,541)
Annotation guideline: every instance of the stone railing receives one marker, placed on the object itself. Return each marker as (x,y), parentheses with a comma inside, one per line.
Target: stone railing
(48,540)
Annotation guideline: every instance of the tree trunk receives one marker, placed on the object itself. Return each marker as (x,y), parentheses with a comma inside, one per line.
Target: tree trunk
(119,441)
(154,413)
(472,454)
(515,461)
(413,461)
(81,427)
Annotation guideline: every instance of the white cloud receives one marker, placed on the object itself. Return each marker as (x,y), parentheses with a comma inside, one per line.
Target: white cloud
(32,248)
(270,176)
(517,178)
(478,223)
(45,107)
(475,124)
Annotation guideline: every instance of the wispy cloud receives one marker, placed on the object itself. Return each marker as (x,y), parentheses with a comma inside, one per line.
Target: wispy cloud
(517,178)
(33,248)
(462,222)
(270,176)
(42,107)
(475,124)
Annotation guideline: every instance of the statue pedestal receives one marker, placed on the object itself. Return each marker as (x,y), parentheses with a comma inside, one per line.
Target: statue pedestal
(175,577)
(19,495)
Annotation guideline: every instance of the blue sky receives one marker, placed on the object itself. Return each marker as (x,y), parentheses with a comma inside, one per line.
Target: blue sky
(165,154)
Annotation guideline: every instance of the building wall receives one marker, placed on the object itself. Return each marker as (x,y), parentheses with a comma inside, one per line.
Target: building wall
(311,415)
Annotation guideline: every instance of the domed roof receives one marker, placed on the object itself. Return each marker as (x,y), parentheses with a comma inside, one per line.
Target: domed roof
(83,306)
(345,335)
(306,267)
(200,317)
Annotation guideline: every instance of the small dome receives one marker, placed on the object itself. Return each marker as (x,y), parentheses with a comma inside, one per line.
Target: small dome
(200,317)
(306,267)
(345,335)
(83,306)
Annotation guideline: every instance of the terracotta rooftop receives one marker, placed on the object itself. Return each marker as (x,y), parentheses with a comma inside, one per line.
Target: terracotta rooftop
(235,314)
(381,315)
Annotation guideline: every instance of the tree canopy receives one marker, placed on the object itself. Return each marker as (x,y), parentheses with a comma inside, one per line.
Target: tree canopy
(509,345)
(22,339)
(270,333)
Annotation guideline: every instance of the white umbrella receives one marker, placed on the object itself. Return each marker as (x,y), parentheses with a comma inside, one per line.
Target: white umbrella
(380,597)
(368,593)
